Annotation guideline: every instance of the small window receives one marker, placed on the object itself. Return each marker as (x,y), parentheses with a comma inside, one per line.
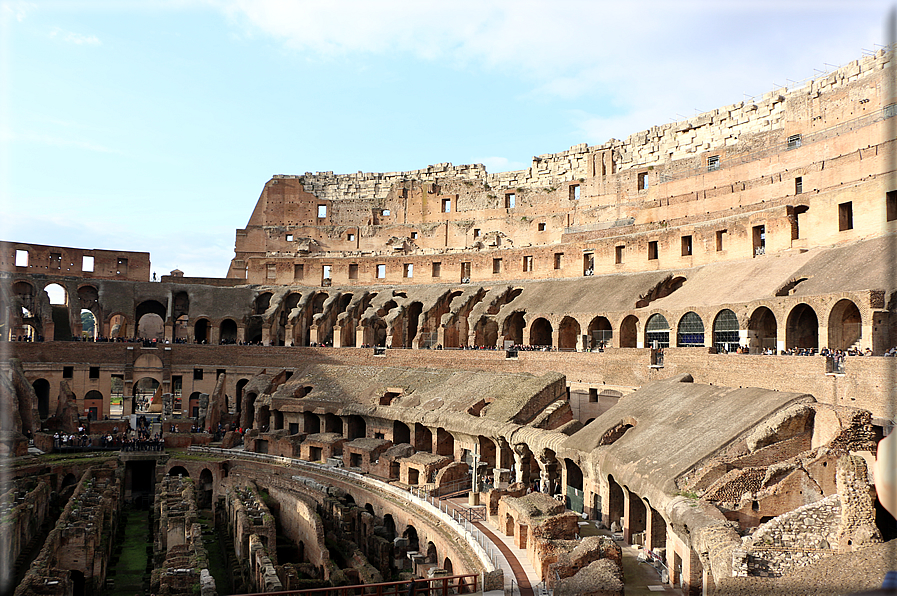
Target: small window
(845,216)
(643,181)
(322,211)
(593,395)
(686,246)
(446,205)
(350,237)
(94,372)
(496,265)
(219,372)
(798,185)
(541,227)
(289,237)
(558,260)
(408,270)
(527,263)
(891,207)
(721,240)
(272,271)
(437,269)
(197,374)
(298,271)
(414,235)
(618,254)
(476,232)
(794,141)
(759,240)
(68,372)
(327,271)
(574,192)
(465,272)
(381,271)
(653,250)
(588,263)
(713,163)
(510,200)
(353,271)
(87,264)
(385,213)
(21,258)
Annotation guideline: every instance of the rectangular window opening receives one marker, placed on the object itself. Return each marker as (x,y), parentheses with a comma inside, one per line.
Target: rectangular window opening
(845,216)
(713,163)
(653,250)
(574,192)
(87,264)
(414,235)
(558,260)
(381,271)
(593,395)
(197,374)
(759,240)
(891,205)
(794,141)
(798,185)
(541,227)
(496,265)
(643,181)
(465,272)
(618,254)
(686,246)
(21,258)
(298,271)
(271,271)
(385,213)
(408,270)
(322,211)
(588,263)
(437,269)
(446,205)
(721,240)
(350,237)
(327,271)
(68,372)
(94,372)
(353,271)
(289,237)
(527,263)
(476,232)
(510,200)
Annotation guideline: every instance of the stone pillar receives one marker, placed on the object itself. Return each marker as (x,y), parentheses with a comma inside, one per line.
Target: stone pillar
(555,339)
(627,515)
(337,336)
(266,336)
(214,334)
(521,459)
(780,334)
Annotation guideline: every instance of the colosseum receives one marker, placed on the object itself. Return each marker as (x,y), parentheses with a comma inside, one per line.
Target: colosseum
(662,364)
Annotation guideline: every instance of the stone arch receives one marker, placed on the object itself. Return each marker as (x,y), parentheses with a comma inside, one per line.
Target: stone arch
(389,525)
(247,416)
(690,330)
(42,391)
(93,404)
(445,443)
(845,325)
(178,471)
(227,331)
(600,333)
(118,325)
(448,566)
(657,329)
(410,534)
(486,332)
(615,501)
(540,332)
(204,490)
(261,303)
(432,556)
(568,334)
(150,319)
(802,327)
(57,294)
(264,418)
(512,329)
(356,427)
(762,329)
(333,423)
(146,386)
(202,331)
(629,332)
(311,423)
(423,438)
(726,336)
(90,327)
(239,400)
(400,432)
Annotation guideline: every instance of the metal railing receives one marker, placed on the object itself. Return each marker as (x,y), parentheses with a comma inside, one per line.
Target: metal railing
(431,586)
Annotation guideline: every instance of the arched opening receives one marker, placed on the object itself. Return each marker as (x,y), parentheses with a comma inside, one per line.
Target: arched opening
(513,328)
(178,471)
(239,401)
(540,333)
(445,443)
(247,416)
(485,333)
(412,317)
(629,332)
(725,331)
(228,332)
(657,330)
(600,333)
(201,331)
(67,481)
(57,294)
(573,474)
(487,453)
(150,319)
(93,404)
(423,438)
(447,566)
(389,525)
(278,419)
(59,301)
(311,423)
(400,433)
(261,304)
(333,424)
(42,391)
(432,557)
(264,419)
(410,534)
(638,515)
(615,502)
(205,489)
(89,327)
(509,525)
(845,326)
(118,326)
(802,328)
(568,334)
(145,388)
(690,332)
(78,582)
(356,427)
(762,330)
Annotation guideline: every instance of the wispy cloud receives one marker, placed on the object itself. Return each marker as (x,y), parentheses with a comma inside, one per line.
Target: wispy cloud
(16,10)
(54,141)
(75,38)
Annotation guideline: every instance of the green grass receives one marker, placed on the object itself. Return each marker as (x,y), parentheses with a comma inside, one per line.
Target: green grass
(131,564)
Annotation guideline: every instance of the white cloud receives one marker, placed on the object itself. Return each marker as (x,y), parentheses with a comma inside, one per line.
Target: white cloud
(75,38)
(17,10)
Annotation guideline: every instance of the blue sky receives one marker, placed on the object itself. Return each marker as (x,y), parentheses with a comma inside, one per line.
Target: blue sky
(153,125)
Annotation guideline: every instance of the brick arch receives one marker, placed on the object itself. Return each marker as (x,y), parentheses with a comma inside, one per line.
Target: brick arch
(652,320)
(802,327)
(630,328)
(569,332)
(845,325)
